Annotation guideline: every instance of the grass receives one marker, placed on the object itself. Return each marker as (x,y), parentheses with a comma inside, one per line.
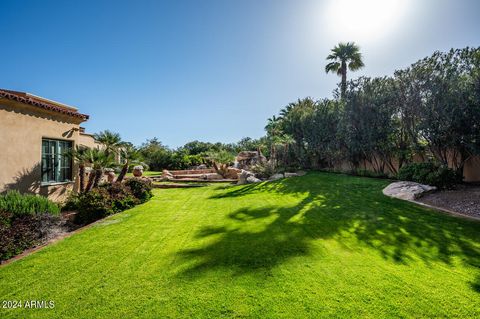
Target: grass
(322,245)
(146,173)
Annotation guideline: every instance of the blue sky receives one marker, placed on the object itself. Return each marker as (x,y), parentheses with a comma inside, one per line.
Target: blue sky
(210,70)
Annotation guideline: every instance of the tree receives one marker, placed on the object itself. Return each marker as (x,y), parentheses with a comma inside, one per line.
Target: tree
(99,160)
(112,141)
(129,155)
(79,155)
(344,56)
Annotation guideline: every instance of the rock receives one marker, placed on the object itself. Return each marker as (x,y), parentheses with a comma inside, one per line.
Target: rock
(167,173)
(243,175)
(407,190)
(232,173)
(212,176)
(301,173)
(138,170)
(274,177)
(291,174)
(253,179)
(201,166)
(247,159)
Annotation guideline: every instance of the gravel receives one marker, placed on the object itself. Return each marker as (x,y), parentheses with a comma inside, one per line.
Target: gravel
(463,200)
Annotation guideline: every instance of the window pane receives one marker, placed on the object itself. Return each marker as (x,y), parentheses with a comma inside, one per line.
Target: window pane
(56,164)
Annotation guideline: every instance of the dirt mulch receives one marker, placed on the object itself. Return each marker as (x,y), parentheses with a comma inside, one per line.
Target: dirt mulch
(464,200)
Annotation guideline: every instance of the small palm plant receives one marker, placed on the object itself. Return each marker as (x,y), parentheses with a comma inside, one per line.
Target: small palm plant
(99,160)
(344,56)
(130,156)
(80,155)
(111,141)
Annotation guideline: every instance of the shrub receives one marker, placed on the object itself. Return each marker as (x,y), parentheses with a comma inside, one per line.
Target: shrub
(93,205)
(430,174)
(109,199)
(141,188)
(20,232)
(121,197)
(23,204)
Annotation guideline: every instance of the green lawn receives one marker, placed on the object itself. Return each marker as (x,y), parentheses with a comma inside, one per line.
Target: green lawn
(146,173)
(322,245)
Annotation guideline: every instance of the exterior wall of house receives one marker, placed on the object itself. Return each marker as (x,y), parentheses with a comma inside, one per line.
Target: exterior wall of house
(88,140)
(22,128)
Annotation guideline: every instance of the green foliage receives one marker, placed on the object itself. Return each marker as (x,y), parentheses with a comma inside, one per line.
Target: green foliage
(429,110)
(109,199)
(223,156)
(141,188)
(26,204)
(430,174)
(93,205)
(192,154)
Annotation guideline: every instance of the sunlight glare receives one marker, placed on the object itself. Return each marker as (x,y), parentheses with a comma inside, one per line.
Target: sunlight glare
(363,20)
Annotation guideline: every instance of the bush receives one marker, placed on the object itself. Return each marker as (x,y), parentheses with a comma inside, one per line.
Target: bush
(141,188)
(24,204)
(121,197)
(430,174)
(20,232)
(109,199)
(93,205)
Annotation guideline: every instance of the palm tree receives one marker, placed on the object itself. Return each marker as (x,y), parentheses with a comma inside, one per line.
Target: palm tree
(99,160)
(343,56)
(111,141)
(130,156)
(80,156)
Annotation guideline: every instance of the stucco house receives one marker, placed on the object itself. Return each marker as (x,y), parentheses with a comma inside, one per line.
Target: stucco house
(34,134)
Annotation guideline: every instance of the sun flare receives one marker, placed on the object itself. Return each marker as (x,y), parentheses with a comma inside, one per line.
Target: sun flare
(363,20)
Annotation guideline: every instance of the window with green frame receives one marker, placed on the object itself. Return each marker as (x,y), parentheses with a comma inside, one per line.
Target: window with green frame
(56,164)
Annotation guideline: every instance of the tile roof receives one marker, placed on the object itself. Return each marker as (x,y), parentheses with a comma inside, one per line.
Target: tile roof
(39,102)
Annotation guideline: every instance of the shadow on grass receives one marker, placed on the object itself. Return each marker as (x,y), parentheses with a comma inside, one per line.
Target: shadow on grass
(332,206)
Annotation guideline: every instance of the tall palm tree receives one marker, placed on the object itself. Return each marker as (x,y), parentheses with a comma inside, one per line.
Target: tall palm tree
(343,56)
(111,141)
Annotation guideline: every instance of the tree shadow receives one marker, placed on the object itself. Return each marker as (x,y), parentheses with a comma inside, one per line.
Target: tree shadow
(25,181)
(331,206)
(28,181)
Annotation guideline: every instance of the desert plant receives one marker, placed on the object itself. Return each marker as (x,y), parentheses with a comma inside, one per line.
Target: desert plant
(111,141)
(129,156)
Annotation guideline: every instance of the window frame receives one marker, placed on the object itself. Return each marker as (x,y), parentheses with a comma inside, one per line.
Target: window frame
(60,165)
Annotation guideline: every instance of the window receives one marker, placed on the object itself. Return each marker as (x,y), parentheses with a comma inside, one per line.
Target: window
(56,164)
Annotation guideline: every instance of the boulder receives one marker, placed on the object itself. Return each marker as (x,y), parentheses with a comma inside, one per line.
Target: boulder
(407,190)
(301,173)
(274,177)
(166,172)
(232,173)
(253,179)
(291,174)
(247,159)
(243,175)
(212,176)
